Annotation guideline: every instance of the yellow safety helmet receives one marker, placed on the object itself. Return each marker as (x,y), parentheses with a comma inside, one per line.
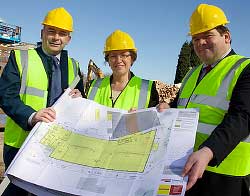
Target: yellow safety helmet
(59,18)
(119,40)
(206,17)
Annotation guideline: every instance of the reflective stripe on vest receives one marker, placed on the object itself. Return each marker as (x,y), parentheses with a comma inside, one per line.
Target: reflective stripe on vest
(143,94)
(73,68)
(33,92)
(181,101)
(212,97)
(189,73)
(94,88)
(208,129)
(137,91)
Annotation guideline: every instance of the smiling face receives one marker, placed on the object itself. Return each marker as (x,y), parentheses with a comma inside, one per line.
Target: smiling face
(54,39)
(120,62)
(211,45)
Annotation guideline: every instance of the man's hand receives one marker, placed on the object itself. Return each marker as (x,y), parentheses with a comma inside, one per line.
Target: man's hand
(196,165)
(162,106)
(44,115)
(75,93)
(132,110)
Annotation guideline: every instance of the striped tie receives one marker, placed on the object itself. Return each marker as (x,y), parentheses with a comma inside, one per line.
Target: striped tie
(204,71)
(56,87)
(208,69)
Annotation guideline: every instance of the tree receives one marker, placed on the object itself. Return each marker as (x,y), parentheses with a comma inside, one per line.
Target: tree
(187,60)
(183,63)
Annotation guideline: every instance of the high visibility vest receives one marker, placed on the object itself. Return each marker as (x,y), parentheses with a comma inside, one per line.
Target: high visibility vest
(212,96)
(33,91)
(135,95)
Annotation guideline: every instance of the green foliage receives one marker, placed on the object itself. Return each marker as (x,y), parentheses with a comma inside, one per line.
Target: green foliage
(187,60)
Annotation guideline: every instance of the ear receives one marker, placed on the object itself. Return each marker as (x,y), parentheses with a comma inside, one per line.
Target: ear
(227,36)
(69,38)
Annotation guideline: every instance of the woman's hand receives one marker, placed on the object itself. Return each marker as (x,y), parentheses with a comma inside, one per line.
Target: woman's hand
(162,106)
(75,93)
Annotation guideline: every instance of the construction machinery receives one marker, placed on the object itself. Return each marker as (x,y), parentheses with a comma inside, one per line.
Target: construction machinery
(9,33)
(92,68)
(10,39)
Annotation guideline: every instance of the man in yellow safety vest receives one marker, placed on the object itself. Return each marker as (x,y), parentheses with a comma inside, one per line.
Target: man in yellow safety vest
(33,80)
(220,88)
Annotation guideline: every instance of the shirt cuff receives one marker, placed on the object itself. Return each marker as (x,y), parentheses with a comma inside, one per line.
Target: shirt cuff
(213,161)
(30,119)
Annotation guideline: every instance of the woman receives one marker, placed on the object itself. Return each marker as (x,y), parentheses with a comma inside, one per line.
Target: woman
(122,89)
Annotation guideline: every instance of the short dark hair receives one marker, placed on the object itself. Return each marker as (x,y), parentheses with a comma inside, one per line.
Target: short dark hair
(222,29)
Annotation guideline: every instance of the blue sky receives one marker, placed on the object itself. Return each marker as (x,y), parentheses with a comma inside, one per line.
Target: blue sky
(159,28)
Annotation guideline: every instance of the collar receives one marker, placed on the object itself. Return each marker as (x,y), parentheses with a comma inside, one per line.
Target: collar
(132,75)
(57,56)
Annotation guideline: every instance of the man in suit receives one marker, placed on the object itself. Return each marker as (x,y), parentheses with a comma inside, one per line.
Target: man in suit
(220,88)
(33,80)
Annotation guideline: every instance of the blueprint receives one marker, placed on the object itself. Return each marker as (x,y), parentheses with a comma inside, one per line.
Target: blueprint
(93,150)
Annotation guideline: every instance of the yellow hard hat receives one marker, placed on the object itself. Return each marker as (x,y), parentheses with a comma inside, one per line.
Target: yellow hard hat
(119,40)
(59,18)
(206,17)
